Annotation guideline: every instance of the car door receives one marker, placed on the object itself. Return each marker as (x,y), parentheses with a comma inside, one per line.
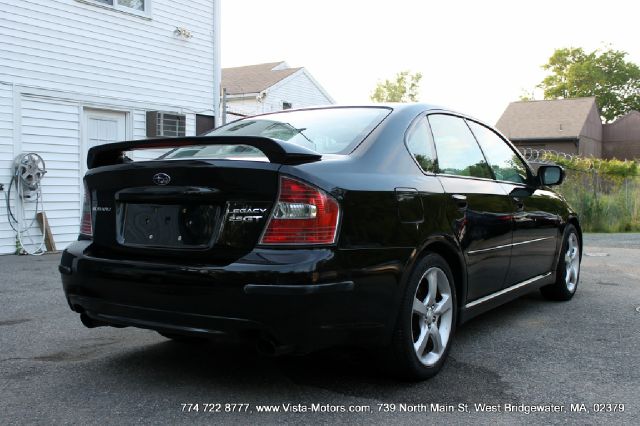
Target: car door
(535,219)
(479,209)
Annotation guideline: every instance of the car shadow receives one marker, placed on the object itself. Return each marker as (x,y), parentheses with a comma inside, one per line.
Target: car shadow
(239,369)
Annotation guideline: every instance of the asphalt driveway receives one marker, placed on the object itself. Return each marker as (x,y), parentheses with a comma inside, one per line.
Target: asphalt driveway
(527,355)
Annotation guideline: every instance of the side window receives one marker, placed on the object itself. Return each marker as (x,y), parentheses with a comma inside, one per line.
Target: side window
(458,151)
(420,145)
(504,162)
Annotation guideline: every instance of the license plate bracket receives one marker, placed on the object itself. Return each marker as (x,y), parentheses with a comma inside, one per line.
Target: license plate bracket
(167,225)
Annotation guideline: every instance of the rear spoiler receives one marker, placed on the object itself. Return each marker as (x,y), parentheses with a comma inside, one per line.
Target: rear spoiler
(276,151)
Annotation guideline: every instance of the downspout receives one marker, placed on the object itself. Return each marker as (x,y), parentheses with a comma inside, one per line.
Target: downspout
(217,74)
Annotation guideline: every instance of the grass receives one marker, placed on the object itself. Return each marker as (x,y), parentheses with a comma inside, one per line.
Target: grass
(604,203)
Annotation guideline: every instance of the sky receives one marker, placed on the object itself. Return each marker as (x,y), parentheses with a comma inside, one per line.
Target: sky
(475,56)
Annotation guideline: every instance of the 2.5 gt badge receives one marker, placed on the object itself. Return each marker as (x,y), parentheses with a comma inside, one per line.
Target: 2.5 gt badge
(245,214)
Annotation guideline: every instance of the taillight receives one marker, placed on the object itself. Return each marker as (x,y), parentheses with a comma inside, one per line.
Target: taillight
(303,214)
(85,224)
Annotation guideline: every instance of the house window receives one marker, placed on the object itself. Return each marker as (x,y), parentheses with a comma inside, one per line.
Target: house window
(132,6)
(171,125)
(163,124)
(287,105)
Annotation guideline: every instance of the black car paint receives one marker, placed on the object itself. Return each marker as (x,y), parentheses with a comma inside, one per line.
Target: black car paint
(380,238)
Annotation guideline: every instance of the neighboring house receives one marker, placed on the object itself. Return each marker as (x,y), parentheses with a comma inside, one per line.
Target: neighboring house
(622,137)
(572,126)
(77,73)
(255,89)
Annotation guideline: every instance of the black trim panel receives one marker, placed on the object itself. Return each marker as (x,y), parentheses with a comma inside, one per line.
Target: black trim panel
(283,290)
(487,303)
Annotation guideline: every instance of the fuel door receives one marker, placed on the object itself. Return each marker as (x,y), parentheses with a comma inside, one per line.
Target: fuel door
(410,209)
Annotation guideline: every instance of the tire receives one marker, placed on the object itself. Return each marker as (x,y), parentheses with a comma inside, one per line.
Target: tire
(426,321)
(568,271)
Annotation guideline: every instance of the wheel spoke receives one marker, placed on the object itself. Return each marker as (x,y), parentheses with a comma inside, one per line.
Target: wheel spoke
(434,333)
(573,246)
(443,306)
(419,307)
(421,344)
(432,280)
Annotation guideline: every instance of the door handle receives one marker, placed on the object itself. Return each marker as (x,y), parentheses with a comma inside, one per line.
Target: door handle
(519,204)
(461,201)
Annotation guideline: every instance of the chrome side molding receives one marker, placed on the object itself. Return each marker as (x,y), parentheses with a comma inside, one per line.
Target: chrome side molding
(506,290)
(508,245)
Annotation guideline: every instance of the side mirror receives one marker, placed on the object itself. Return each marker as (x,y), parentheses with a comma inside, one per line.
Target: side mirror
(550,175)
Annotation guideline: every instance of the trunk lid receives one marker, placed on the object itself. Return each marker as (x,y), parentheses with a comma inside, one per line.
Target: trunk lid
(187,210)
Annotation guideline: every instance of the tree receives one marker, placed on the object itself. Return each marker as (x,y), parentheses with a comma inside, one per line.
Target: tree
(527,95)
(403,88)
(604,74)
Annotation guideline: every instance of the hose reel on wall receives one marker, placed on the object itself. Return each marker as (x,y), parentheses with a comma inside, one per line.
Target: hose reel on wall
(28,171)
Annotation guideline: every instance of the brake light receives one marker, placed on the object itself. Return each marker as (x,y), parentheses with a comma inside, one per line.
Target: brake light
(303,214)
(86,228)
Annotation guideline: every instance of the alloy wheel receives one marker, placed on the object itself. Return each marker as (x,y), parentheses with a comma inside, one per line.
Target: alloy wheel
(432,316)
(572,263)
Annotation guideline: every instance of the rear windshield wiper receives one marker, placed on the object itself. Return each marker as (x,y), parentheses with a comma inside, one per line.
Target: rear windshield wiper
(300,132)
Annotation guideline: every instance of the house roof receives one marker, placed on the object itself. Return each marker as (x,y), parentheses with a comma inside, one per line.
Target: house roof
(254,78)
(551,119)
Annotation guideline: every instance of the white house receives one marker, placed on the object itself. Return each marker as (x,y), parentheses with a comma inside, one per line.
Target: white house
(76,73)
(255,89)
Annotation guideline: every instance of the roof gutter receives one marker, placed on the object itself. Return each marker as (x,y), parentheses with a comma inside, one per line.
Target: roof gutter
(549,139)
(243,95)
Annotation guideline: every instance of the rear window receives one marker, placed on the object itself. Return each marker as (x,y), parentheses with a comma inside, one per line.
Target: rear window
(223,152)
(326,131)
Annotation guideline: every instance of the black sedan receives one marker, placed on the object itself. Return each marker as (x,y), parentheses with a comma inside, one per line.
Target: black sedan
(382,227)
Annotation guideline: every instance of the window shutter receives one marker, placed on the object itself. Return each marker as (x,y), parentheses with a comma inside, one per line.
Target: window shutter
(204,123)
(152,124)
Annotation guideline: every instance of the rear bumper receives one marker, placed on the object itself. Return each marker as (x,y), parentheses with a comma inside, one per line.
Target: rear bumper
(306,299)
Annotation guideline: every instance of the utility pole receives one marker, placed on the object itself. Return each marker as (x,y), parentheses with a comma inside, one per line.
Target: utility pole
(224,106)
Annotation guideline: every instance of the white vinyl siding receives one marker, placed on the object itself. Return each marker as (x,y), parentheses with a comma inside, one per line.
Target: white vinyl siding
(52,129)
(61,57)
(299,90)
(7,236)
(68,45)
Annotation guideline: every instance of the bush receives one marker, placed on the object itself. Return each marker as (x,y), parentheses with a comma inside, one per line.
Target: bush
(605,193)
